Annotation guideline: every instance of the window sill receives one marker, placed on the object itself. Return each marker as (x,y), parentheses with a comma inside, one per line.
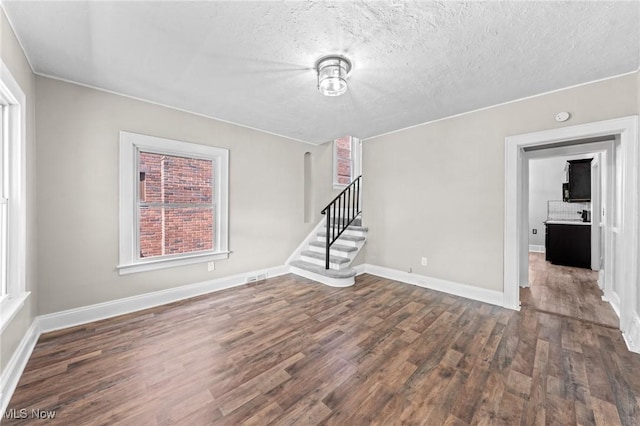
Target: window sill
(152,265)
(9,307)
(339,186)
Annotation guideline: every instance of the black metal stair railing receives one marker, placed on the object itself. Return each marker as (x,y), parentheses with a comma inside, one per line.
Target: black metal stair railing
(341,212)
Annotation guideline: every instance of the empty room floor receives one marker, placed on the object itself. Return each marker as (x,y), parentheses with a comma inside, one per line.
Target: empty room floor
(291,351)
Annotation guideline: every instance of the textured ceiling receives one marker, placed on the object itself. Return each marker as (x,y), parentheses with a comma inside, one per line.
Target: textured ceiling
(251,63)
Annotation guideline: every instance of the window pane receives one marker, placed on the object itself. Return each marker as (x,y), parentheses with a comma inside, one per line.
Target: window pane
(166,231)
(3,247)
(344,142)
(344,180)
(176,211)
(342,161)
(343,147)
(343,153)
(173,179)
(3,206)
(344,171)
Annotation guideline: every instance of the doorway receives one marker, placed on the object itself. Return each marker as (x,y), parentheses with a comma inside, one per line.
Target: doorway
(620,239)
(564,254)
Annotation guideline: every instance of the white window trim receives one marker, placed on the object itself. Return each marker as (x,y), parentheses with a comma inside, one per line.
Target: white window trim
(12,96)
(356,169)
(130,143)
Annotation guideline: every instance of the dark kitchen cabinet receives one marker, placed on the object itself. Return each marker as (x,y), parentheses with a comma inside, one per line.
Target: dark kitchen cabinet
(568,245)
(578,186)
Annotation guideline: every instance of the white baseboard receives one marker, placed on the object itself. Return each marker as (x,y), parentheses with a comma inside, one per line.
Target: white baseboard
(536,249)
(99,311)
(613,300)
(601,279)
(360,269)
(493,297)
(632,337)
(17,363)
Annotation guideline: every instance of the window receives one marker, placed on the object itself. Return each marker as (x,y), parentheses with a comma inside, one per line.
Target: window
(173,203)
(345,161)
(4,203)
(12,197)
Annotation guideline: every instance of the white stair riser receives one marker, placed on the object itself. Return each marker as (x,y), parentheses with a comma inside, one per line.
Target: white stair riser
(334,266)
(341,242)
(331,252)
(333,282)
(355,233)
(352,232)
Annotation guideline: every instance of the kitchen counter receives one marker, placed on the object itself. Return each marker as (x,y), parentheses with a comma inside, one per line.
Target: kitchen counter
(566,222)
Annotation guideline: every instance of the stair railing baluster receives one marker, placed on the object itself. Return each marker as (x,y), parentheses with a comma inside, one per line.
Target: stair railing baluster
(340,214)
(358,198)
(351,204)
(341,207)
(326,264)
(346,206)
(348,209)
(333,223)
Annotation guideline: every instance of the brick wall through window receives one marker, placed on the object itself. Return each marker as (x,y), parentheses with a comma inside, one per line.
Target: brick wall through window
(176,204)
(343,159)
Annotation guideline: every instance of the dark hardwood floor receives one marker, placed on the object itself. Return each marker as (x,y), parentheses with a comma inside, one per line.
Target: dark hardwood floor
(290,351)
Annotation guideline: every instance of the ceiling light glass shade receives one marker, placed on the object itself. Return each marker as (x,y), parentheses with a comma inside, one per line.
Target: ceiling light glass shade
(332,75)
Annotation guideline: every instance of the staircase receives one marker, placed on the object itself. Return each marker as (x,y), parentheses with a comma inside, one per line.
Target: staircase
(327,253)
(311,261)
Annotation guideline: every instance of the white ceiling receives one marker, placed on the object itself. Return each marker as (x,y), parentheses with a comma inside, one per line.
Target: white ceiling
(251,63)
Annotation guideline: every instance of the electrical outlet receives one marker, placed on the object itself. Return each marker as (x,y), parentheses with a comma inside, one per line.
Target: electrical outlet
(423,261)
(535,231)
(211,266)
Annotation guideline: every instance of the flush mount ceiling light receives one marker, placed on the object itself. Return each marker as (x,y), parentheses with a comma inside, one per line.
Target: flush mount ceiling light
(332,75)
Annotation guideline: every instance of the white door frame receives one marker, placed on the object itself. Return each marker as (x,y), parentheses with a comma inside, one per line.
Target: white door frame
(596,212)
(624,130)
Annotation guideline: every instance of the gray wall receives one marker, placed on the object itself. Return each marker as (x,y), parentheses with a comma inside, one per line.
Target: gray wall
(77,153)
(545,183)
(13,57)
(437,190)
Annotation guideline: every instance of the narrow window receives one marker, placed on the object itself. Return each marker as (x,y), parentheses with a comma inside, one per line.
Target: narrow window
(4,201)
(12,197)
(343,161)
(346,161)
